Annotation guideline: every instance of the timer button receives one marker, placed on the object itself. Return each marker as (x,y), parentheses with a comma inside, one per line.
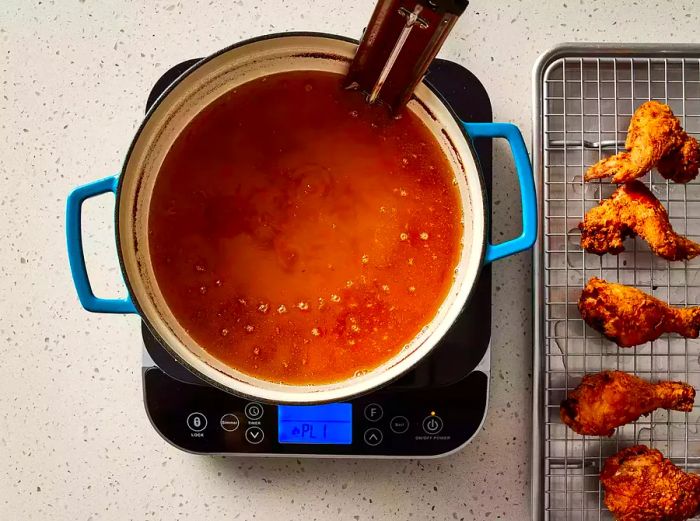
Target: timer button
(399,424)
(374,412)
(197,422)
(254,435)
(254,411)
(229,422)
(373,437)
(432,424)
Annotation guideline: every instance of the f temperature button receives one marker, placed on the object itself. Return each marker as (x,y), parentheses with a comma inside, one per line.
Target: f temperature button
(374,412)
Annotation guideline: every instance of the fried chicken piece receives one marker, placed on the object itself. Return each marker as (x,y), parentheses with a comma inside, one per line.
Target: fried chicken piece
(633,210)
(681,165)
(604,401)
(654,134)
(641,485)
(630,317)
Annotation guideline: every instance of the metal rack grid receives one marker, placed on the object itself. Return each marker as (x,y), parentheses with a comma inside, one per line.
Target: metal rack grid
(587,99)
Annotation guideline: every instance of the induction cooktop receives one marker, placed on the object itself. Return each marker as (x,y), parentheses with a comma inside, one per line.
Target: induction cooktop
(433,410)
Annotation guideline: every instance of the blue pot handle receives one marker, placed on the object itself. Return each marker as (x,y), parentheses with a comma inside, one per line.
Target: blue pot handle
(76,257)
(528,198)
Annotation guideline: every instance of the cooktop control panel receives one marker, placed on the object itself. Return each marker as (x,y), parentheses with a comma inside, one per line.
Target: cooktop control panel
(201,419)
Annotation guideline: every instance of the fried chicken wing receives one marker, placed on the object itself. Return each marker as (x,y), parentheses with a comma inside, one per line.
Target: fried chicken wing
(630,317)
(641,485)
(633,210)
(604,401)
(654,134)
(681,165)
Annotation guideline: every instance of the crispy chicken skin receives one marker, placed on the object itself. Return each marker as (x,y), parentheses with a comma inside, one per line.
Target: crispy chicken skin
(681,165)
(630,317)
(604,401)
(654,134)
(641,485)
(633,210)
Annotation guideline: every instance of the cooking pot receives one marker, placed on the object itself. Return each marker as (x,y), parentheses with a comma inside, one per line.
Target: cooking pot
(170,114)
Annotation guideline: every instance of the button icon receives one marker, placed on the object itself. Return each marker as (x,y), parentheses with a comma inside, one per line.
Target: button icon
(254,411)
(373,437)
(399,424)
(197,422)
(254,435)
(432,424)
(229,422)
(374,412)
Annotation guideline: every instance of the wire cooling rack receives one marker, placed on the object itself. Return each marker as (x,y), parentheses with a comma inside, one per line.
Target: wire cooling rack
(584,98)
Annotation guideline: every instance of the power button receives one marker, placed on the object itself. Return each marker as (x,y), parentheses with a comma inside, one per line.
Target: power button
(432,424)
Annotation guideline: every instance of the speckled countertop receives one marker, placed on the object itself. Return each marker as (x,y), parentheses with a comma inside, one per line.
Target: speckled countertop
(75,443)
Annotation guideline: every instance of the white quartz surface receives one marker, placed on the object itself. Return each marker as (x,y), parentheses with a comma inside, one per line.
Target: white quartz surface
(75,443)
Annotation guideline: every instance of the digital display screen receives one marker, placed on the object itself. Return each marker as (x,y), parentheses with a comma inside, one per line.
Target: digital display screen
(329,424)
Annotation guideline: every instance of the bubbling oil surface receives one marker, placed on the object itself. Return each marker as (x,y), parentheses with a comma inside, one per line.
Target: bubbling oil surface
(301,235)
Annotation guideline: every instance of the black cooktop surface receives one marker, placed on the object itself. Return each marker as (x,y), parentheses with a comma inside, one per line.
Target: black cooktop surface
(432,410)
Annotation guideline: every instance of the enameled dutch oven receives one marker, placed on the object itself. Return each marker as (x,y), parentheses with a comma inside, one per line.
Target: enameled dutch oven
(186,97)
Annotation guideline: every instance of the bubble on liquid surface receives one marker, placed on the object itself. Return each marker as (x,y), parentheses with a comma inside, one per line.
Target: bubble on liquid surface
(359,372)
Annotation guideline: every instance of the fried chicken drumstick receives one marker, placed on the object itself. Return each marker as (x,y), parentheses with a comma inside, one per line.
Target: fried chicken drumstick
(654,137)
(604,401)
(630,317)
(633,210)
(641,485)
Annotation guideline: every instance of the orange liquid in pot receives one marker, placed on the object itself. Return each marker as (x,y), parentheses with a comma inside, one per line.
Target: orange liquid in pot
(301,235)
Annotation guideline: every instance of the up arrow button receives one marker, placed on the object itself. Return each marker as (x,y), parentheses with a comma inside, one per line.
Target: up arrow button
(373,437)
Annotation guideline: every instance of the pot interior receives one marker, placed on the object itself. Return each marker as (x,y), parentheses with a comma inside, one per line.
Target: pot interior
(203,84)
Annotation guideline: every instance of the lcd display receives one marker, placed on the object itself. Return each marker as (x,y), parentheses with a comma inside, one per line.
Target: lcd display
(329,424)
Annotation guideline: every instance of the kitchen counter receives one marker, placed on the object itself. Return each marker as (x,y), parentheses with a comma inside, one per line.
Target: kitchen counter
(75,442)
